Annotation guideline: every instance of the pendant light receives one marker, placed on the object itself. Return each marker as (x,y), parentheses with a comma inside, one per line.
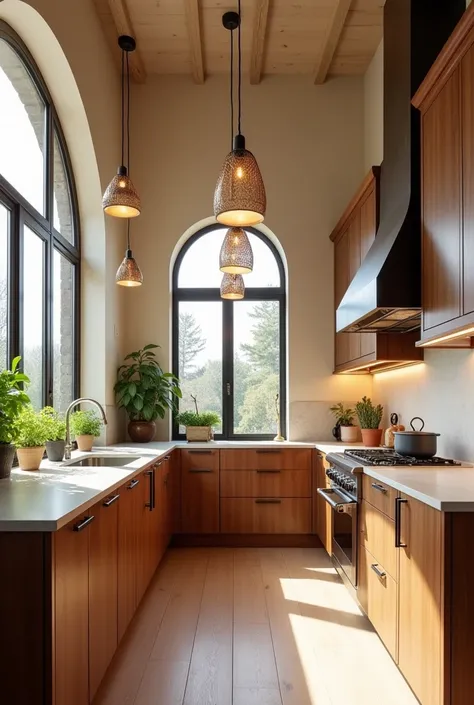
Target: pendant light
(129,273)
(236,256)
(239,197)
(120,198)
(232,287)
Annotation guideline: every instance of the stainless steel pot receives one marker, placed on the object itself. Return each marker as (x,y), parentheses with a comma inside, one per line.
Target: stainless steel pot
(418,444)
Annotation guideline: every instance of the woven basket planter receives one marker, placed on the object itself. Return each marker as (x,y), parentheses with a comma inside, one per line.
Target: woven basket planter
(198,433)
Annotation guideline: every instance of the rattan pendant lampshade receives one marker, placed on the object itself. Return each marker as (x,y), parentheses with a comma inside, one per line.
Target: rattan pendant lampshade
(129,273)
(121,199)
(236,256)
(239,196)
(232,287)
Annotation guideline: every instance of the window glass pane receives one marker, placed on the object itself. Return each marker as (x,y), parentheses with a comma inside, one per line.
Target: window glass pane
(33,313)
(200,355)
(4,227)
(22,129)
(63,330)
(256,365)
(62,198)
(200,264)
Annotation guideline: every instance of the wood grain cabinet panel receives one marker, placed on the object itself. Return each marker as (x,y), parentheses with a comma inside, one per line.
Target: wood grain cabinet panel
(200,491)
(175,491)
(265,483)
(148,530)
(128,511)
(322,512)
(368,229)
(467,79)
(377,535)
(379,495)
(266,459)
(265,516)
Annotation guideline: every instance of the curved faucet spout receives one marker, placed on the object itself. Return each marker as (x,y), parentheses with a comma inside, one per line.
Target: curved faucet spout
(76,402)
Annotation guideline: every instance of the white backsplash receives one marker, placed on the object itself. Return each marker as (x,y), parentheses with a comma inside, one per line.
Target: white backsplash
(312,420)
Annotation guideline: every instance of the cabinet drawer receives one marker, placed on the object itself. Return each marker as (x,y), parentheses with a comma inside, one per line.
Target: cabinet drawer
(265,516)
(267,459)
(199,460)
(380,495)
(378,597)
(265,483)
(377,535)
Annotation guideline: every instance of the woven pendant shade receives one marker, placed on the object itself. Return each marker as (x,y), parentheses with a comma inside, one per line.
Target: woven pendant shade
(232,287)
(236,256)
(129,273)
(120,198)
(239,197)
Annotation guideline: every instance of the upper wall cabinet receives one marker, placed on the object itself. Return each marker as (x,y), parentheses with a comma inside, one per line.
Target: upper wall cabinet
(446,102)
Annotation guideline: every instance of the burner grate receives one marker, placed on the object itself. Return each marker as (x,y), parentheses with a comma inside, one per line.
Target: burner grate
(388,457)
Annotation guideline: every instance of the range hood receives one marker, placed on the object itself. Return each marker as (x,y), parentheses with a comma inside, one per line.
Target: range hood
(385,293)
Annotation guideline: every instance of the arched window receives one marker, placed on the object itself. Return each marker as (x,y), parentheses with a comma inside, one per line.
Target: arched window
(231,355)
(39,232)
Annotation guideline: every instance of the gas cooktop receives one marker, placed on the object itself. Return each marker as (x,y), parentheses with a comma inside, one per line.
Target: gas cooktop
(387,456)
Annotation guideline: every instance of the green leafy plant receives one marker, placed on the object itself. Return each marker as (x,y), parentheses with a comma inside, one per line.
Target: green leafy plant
(85,423)
(369,415)
(344,417)
(13,399)
(31,429)
(197,418)
(54,423)
(143,389)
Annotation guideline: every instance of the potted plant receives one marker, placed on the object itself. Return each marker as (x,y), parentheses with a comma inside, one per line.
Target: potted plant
(344,418)
(12,401)
(198,424)
(370,417)
(56,427)
(85,426)
(30,438)
(145,392)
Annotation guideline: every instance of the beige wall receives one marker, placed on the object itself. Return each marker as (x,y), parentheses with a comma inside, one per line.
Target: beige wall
(373,111)
(308,143)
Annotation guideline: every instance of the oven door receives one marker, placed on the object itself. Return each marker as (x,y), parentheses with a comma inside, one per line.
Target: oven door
(344,530)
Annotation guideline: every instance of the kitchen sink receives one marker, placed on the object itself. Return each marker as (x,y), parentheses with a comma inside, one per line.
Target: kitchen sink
(106,461)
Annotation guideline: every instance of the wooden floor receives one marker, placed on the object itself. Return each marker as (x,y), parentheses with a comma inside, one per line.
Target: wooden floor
(251,627)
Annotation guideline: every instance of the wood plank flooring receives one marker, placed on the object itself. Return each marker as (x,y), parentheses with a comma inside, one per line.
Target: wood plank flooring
(250,626)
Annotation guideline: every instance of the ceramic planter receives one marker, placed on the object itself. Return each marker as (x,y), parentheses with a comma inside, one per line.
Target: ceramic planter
(84,443)
(141,431)
(371,437)
(198,433)
(349,434)
(55,450)
(30,458)
(7,453)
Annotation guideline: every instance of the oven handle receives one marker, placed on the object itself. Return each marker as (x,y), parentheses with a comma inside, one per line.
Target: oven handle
(339,506)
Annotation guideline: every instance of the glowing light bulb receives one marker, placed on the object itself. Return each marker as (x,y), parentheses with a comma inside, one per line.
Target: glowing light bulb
(122,184)
(239,172)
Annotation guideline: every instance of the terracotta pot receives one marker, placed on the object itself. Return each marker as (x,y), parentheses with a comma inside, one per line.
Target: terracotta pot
(198,433)
(30,458)
(371,436)
(85,443)
(349,434)
(7,453)
(141,431)
(55,450)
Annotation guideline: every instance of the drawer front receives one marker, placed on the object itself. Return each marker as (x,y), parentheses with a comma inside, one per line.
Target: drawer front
(265,516)
(199,460)
(379,599)
(377,535)
(267,459)
(380,495)
(265,483)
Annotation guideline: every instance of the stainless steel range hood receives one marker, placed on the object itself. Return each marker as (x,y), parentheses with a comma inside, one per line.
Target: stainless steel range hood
(385,293)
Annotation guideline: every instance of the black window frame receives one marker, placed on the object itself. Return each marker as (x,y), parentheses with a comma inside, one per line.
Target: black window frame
(205,294)
(23,213)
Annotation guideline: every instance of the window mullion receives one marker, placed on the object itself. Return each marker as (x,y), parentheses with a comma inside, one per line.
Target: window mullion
(227,368)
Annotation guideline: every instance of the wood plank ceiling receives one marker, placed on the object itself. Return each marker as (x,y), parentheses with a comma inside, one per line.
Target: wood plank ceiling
(315,38)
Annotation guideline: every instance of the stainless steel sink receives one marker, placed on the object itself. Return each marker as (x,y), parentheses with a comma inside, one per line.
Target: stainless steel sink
(103,461)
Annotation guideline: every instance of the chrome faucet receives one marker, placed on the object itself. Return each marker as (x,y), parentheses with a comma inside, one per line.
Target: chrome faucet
(67,451)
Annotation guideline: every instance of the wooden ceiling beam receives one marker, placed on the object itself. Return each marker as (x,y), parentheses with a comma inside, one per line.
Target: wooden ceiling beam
(123,24)
(258,41)
(195,44)
(331,40)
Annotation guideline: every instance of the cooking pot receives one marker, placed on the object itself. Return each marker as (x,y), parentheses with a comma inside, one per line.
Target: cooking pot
(418,444)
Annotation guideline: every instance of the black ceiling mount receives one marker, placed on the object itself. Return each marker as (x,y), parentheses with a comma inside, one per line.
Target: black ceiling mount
(231,20)
(127,43)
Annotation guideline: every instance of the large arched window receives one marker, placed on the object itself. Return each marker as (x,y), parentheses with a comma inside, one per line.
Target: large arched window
(39,236)
(231,355)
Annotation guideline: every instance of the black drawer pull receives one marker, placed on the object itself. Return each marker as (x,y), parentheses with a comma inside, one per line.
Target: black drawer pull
(379,488)
(133,484)
(167,457)
(268,450)
(269,472)
(82,524)
(398,522)
(200,470)
(268,501)
(111,500)
(201,452)
(151,503)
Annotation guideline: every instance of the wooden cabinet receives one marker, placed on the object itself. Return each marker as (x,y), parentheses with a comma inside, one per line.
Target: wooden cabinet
(175,491)
(379,495)
(200,491)
(149,528)
(128,513)
(322,512)
(266,459)
(265,515)
(265,483)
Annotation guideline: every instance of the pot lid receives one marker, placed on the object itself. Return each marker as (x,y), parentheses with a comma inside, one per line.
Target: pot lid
(415,433)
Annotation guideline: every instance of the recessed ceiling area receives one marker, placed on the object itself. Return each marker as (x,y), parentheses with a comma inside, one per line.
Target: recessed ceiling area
(314,38)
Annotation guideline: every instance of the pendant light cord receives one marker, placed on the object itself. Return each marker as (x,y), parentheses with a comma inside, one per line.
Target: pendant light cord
(128,234)
(128,115)
(123,106)
(240,70)
(231,88)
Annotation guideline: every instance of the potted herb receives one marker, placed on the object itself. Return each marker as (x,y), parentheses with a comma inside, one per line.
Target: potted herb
(145,392)
(56,427)
(198,424)
(12,401)
(344,418)
(85,426)
(30,438)
(370,417)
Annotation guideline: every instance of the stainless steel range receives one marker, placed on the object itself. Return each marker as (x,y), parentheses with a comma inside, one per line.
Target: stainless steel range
(345,494)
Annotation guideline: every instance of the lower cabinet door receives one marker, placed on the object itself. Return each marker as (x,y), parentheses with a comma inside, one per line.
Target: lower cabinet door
(377,593)
(265,516)
(148,529)
(127,553)
(200,497)
(103,565)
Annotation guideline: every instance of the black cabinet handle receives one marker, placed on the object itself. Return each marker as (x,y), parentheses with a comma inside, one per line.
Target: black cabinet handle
(200,452)
(268,472)
(82,524)
(268,501)
(151,503)
(167,457)
(133,484)
(379,488)
(111,500)
(268,450)
(398,521)
(200,470)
